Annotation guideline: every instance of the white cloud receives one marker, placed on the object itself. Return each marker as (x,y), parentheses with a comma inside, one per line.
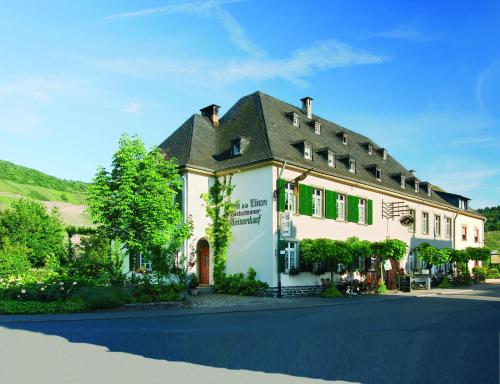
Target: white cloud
(208,9)
(133,108)
(21,122)
(489,72)
(319,56)
(404,32)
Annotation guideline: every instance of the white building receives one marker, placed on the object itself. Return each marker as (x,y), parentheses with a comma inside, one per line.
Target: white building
(351,187)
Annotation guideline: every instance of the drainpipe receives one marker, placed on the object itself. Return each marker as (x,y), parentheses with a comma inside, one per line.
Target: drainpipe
(278,227)
(454,230)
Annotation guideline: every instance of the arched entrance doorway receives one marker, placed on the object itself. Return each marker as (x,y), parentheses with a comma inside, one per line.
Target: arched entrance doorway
(203,261)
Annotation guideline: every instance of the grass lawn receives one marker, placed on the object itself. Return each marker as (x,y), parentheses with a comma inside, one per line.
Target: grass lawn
(10,188)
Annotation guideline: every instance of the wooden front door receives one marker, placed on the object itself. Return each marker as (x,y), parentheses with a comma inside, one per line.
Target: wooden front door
(204,262)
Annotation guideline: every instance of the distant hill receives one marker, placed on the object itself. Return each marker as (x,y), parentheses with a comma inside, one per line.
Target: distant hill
(493,216)
(67,195)
(23,175)
(492,240)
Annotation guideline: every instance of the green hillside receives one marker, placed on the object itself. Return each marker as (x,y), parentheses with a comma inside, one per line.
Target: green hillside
(68,196)
(492,215)
(22,175)
(492,240)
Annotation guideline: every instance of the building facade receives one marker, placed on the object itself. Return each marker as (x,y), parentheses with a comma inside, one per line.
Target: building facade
(298,176)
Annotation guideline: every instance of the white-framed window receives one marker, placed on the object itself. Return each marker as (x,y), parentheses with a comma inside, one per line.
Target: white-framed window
(307,152)
(340,207)
(476,235)
(145,263)
(447,229)
(296,121)
(362,211)
(464,233)
(352,166)
(429,190)
(370,149)
(425,222)
(417,186)
(291,255)
(331,159)
(317,200)
(437,225)
(462,204)
(290,199)
(344,139)
(235,148)
(403,182)
(317,128)
(412,227)
(384,154)
(378,174)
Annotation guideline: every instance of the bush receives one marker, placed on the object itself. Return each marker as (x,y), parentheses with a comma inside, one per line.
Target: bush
(13,260)
(445,283)
(493,273)
(382,289)
(96,259)
(145,291)
(33,307)
(238,284)
(193,281)
(480,272)
(29,224)
(332,291)
(104,297)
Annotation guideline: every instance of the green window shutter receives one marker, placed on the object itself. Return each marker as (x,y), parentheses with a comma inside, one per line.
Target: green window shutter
(370,212)
(352,209)
(309,204)
(281,257)
(330,204)
(304,199)
(281,196)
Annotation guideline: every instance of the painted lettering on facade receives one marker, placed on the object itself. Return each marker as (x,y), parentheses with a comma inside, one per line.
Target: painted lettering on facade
(248,212)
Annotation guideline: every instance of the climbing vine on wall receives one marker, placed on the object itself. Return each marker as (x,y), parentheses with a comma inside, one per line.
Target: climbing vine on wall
(219,208)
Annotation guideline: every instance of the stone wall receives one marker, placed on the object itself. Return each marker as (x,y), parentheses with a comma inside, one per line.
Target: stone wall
(294,290)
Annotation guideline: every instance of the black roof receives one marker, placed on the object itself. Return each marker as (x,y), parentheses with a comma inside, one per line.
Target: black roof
(265,123)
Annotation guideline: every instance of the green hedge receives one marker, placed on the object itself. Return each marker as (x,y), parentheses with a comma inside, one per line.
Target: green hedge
(12,307)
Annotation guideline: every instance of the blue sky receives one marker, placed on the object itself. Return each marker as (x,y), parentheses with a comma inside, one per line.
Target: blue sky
(420,78)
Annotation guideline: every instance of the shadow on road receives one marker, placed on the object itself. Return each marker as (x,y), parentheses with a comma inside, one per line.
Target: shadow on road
(428,339)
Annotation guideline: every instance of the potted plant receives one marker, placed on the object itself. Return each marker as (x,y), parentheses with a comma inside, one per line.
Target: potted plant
(193,284)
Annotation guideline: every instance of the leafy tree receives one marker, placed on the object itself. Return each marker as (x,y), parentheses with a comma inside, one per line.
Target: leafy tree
(432,255)
(135,202)
(389,249)
(219,208)
(359,248)
(325,250)
(28,224)
(478,254)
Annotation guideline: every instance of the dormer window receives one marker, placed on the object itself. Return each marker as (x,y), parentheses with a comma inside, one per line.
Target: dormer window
(331,159)
(295,119)
(429,190)
(307,152)
(403,182)
(370,149)
(344,139)
(417,186)
(384,154)
(378,174)
(236,148)
(352,166)
(317,128)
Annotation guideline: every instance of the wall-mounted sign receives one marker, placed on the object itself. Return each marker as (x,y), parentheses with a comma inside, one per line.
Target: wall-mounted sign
(387,265)
(286,224)
(248,212)
(406,220)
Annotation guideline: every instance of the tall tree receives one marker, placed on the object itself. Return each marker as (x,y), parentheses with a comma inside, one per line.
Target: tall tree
(389,249)
(135,202)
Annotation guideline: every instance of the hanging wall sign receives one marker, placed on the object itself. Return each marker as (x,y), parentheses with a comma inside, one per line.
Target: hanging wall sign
(406,220)
(387,265)
(286,224)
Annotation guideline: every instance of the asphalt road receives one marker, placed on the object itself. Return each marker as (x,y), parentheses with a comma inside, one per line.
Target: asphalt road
(432,339)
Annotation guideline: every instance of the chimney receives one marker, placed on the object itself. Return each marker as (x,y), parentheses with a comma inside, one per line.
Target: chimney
(412,171)
(307,106)
(212,112)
